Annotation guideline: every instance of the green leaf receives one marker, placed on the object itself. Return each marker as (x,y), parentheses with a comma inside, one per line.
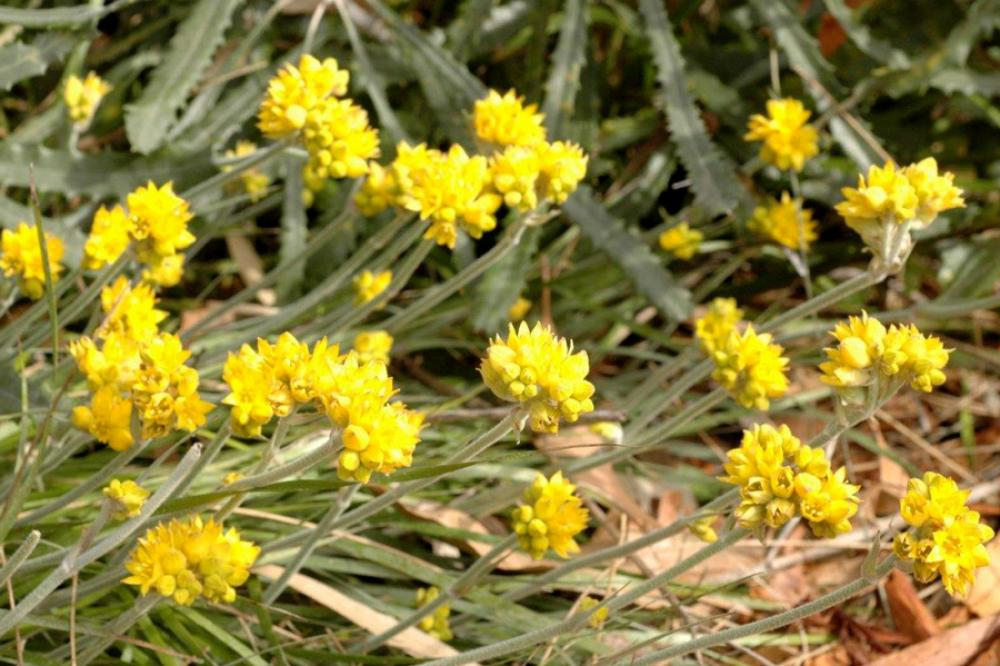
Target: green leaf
(19,61)
(294,229)
(502,283)
(980,19)
(467,26)
(863,38)
(59,16)
(567,63)
(640,195)
(966,81)
(977,273)
(712,173)
(634,257)
(225,118)
(148,120)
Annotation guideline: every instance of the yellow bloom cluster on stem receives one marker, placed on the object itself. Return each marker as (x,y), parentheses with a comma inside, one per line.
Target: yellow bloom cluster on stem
(681,240)
(21,257)
(945,538)
(751,367)
(787,139)
(187,559)
(128,498)
(373,346)
(713,328)
(83,95)
(551,515)
(436,624)
(267,382)
(368,285)
(539,370)
(785,222)
(780,478)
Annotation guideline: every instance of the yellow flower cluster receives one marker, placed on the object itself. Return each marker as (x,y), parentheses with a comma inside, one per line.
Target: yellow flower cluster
(869,355)
(165,390)
(305,102)
(368,285)
(128,498)
(83,95)
(191,558)
(539,370)
(750,366)
(713,328)
(436,624)
(599,617)
(785,222)
(373,346)
(681,240)
(21,257)
(885,207)
(780,478)
(255,182)
(504,120)
(946,537)
(378,435)
(703,529)
(788,138)
(550,517)
(156,221)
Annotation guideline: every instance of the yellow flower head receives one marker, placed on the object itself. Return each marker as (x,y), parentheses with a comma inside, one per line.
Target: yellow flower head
(165,390)
(599,617)
(164,271)
(751,368)
(520,309)
(373,345)
(339,141)
(507,121)
(129,311)
(436,624)
(22,258)
(368,285)
(128,497)
(946,538)
(159,221)
(539,370)
(514,174)
(702,528)
(785,222)
(378,192)
(714,327)
(562,165)
(681,240)
(887,196)
(339,381)
(255,182)
(187,559)
(109,238)
(83,95)
(296,92)
(935,193)
(550,517)
(107,418)
(379,437)
(788,138)
(115,362)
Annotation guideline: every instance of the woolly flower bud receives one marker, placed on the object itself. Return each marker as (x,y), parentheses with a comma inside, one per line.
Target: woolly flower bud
(681,240)
(83,95)
(506,121)
(788,140)
(128,497)
(539,370)
(550,517)
(714,327)
(946,538)
(435,624)
(785,222)
(751,368)
(21,257)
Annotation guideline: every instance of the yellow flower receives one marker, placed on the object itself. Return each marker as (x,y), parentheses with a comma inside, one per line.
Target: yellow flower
(681,240)
(83,95)
(339,381)
(828,502)
(507,121)
(164,271)
(887,196)
(946,538)
(599,617)
(520,309)
(22,257)
(435,624)
(107,418)
(115,363)
(702,528)
(562,165)
(514,173)
(255,182)
(187,559)
(368,285)
(373,345)
(130,311)
(785,222)
(232,477)
(714,327)
(608,430)
(751,368)
(109,238)
(291,363)
(550,517)
(296,92)
(339,141)
(379,437)
(159,221)
(128,498)
(255,395)
(539,370)
(935,193)
(165,390)
(788,139)
(378,192)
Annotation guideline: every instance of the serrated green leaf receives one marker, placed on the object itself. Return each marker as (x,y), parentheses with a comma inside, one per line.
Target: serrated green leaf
(640,195)
(19,61)
(503,283)
(225,118)
(58,16)
(712,173)
(981,18)
(863,38)
(148,120)
(651,279)
(966,81)
(567,63)
(294,228)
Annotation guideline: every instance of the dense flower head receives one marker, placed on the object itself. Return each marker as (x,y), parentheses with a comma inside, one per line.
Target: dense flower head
(713,328)
(536,368)
(380,437)
(550,516)
(681,241)
(164,271)
(129,311)
(159,220)
(945,538)
(83,95)
(935,193)
(187,559)
(115,362)
(109,238)
(788,140)
(562,165)
(373,345)
(505,120)
(886,195)
(254,181)
(750,366)
(436,624)
(107,418)
(21,257)
(378,192)
(780,478)
(785,222)
(703,529)
(165,391)
(368,285)
(128,498)
(297,91)
(339,141)
(514,175)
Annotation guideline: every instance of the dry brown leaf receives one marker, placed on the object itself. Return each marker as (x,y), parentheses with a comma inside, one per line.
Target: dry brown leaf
(249,265)
(412,641)
(984,599)
(956,647)
(908,610)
